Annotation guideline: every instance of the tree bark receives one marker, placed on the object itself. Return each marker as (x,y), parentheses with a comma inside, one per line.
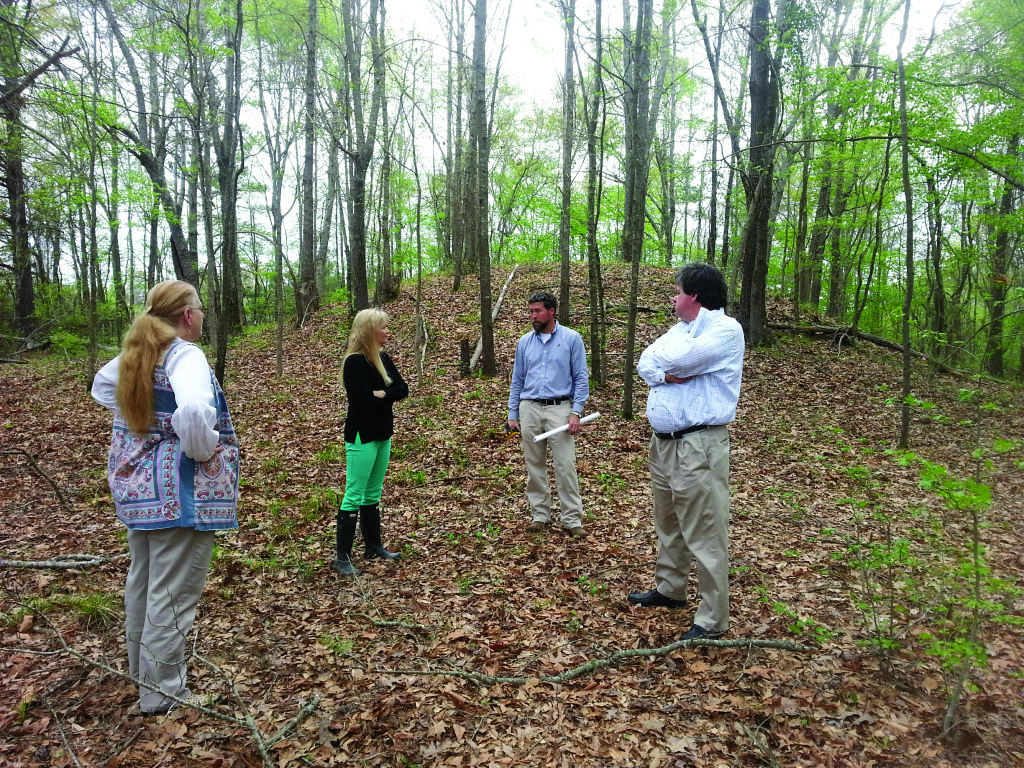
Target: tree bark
(908,198)
(764,101)
(594,113)
(481,143)
(568,131)
(308,298)
(998,277)
(362,131)
(641,101)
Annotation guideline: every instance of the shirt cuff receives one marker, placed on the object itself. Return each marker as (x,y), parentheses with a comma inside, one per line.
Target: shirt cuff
(194,423)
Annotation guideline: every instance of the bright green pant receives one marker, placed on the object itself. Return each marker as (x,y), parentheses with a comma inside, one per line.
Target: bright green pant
(365,465)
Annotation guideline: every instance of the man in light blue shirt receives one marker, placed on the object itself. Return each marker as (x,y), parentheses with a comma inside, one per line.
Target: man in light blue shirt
(550,385)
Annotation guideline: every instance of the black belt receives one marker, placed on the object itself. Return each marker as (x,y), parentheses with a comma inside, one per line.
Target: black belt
(682,432)
(551,400)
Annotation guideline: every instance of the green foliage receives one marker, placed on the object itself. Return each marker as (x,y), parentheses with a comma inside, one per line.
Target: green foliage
(68,343)
(342,646)
(329,454)
(96,610)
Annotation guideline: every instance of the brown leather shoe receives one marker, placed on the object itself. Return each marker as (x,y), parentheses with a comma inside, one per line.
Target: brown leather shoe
(536,526)
(577,532)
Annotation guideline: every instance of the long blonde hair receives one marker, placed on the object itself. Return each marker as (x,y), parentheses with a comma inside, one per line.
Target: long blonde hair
(150,334)
(363,338)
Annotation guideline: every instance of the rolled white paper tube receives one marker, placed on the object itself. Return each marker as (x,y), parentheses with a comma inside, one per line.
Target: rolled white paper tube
(556,430)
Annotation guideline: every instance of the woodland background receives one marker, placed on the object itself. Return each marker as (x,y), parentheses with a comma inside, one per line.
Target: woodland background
(853,168)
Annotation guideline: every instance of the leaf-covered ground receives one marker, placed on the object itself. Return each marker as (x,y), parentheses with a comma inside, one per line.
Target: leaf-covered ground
(830,534)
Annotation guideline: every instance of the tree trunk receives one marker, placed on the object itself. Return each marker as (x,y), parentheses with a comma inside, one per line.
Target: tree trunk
(308,298)
(597,356)
(764,101)
(363,131)
(481,143)
(568,131)
(999,279)
(641,100)
(908,199)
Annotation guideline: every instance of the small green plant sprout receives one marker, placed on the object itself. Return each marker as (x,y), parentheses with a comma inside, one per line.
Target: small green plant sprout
(611,482)
(338,645)
(329,454)
(415,476)
(597,589)
(574,625)
(488,533)
(272,465)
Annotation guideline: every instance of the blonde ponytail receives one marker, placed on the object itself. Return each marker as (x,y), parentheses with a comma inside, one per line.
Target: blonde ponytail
(144,344)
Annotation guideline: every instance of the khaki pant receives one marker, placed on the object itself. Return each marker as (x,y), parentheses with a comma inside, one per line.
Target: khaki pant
(165,579)
(535,419)
(690,480)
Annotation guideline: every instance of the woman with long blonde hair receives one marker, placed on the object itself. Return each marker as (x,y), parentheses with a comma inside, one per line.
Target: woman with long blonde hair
(173,475)
(372,384)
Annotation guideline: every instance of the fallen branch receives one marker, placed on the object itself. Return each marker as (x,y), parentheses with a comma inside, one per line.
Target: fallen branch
(596,664)
(263,742)
(839,333)
(64,561)
(13,360)
(397,624)
(19,452)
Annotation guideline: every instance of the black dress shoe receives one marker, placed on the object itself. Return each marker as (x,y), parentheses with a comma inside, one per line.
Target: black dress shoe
(654,599)
(697,632)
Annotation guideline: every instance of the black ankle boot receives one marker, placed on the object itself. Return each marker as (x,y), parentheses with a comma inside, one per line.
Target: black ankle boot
(346,534)
(369,524)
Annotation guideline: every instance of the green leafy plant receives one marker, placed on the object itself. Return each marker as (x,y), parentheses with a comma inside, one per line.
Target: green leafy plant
(611,482)
(329,454)
(335,643)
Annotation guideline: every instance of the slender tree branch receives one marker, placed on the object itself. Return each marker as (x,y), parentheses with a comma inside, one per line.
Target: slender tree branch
(597,664)
(64,561)
(18,451)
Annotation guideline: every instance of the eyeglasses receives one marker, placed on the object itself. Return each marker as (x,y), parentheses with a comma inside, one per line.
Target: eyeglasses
(539,297)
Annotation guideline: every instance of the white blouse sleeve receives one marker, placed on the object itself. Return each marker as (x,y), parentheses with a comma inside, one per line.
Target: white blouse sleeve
(104,384)
(195,420)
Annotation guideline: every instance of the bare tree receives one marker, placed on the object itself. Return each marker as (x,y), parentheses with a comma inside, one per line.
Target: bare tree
(480,141)
(568,9)
(641,102)
(308,298)
(362,127)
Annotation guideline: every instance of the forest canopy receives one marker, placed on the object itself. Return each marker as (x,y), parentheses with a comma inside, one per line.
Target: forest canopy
(849,158)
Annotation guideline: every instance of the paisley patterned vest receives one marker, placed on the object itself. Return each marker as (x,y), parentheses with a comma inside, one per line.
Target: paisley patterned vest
(155,485)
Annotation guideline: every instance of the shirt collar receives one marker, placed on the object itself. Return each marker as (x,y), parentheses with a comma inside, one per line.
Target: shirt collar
(540,333)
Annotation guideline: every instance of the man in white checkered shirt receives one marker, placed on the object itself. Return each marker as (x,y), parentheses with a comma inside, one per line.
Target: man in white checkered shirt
(694,372)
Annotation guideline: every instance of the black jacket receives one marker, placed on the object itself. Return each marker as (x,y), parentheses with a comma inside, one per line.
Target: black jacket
(370,417)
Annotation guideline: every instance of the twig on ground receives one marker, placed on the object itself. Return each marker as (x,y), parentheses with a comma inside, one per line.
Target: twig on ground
(60,730)
(64,561)
(31,460)
(396,624)
(596,664)
(263,743)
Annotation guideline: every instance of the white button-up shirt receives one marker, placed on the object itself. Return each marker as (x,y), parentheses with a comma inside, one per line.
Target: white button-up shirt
(710,350)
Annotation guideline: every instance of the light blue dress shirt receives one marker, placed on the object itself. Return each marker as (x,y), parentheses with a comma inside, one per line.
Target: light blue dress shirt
(547,370)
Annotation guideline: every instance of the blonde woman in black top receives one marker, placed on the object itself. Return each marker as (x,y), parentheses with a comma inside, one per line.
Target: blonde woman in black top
(372,384)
